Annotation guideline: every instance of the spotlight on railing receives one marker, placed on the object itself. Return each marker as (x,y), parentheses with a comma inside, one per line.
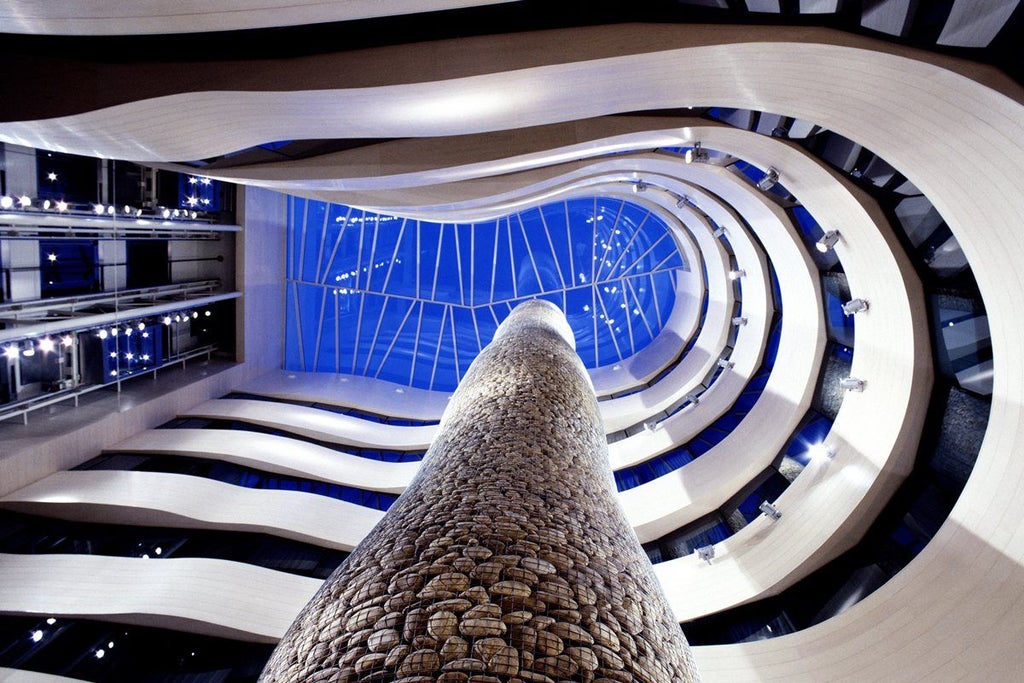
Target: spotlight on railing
(854,306)
(696,154)
(827,241)
(770,510)
(769,179)
(852,384)
(706,553)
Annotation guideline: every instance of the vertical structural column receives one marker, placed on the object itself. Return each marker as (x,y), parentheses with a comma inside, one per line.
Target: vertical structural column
(508,559)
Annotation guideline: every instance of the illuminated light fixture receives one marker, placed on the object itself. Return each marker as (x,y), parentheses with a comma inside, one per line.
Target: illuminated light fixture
(399,390)
(739,320)
(29,352)
(852,384)
(127,331)
(46,204)
(138,212)
(6,202)
(651,425)
(145,335)
(176,213)
(684,201)
(166,213)
(102,334)
(113,354)
(718,232)
(167,320)
(51,257)
(62,206)
(37,635)
(100,653)
(207,314)
(113,373)
(770,510)
(127,210)
(51,621)
(194,215)
(725,364)
(51,176)
(195,314)
(99,209)
(854,306)
(640,186)
(821,451)
(696,154)
(113,331)
(177,318)
(24,201)
(706,553)
(769,179)
(11,352)
(46,344)
(145,356)
(827,241)
(129,356)
(737,274)
(192,180)
(67,340)
(141,326)
(110,210)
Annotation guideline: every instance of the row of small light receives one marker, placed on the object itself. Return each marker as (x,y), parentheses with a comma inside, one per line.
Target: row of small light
(61,206)
(43,345)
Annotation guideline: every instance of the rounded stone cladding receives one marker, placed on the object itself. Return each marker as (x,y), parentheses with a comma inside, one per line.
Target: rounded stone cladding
(508,558)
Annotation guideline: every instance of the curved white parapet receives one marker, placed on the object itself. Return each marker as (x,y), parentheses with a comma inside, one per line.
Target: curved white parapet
(211,597)
(175,500)
(277,454)
(314,423)
(112,17)
(23,676)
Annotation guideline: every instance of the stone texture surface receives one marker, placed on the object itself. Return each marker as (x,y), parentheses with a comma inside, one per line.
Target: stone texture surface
(508,559)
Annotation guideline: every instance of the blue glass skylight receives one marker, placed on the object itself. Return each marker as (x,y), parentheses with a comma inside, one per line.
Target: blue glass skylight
(413,302)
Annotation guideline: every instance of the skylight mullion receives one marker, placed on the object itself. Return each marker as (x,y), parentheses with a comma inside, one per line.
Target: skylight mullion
(629,320)
(359,253)
(437,262)
(611,332)
(611,236)
(529,251)
(337,335)
(663,261)
(394,339)
(494,257)
(593,248)
(437,350)
(512,259)
(418,259)
(476,329)
(625,250)
(359,325)
(593,315)
(568,240)
(302,241)
(376,334)
(455,348)
(639,307)
(319,329)
(373,258)
(334,249)
(323,240)
(472,267)
(298,324)
(649,249)
(458,263)
(551,246)
(394,255)
(416,343)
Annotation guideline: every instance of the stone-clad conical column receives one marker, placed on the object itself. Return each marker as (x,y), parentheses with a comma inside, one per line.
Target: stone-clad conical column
(508,559)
